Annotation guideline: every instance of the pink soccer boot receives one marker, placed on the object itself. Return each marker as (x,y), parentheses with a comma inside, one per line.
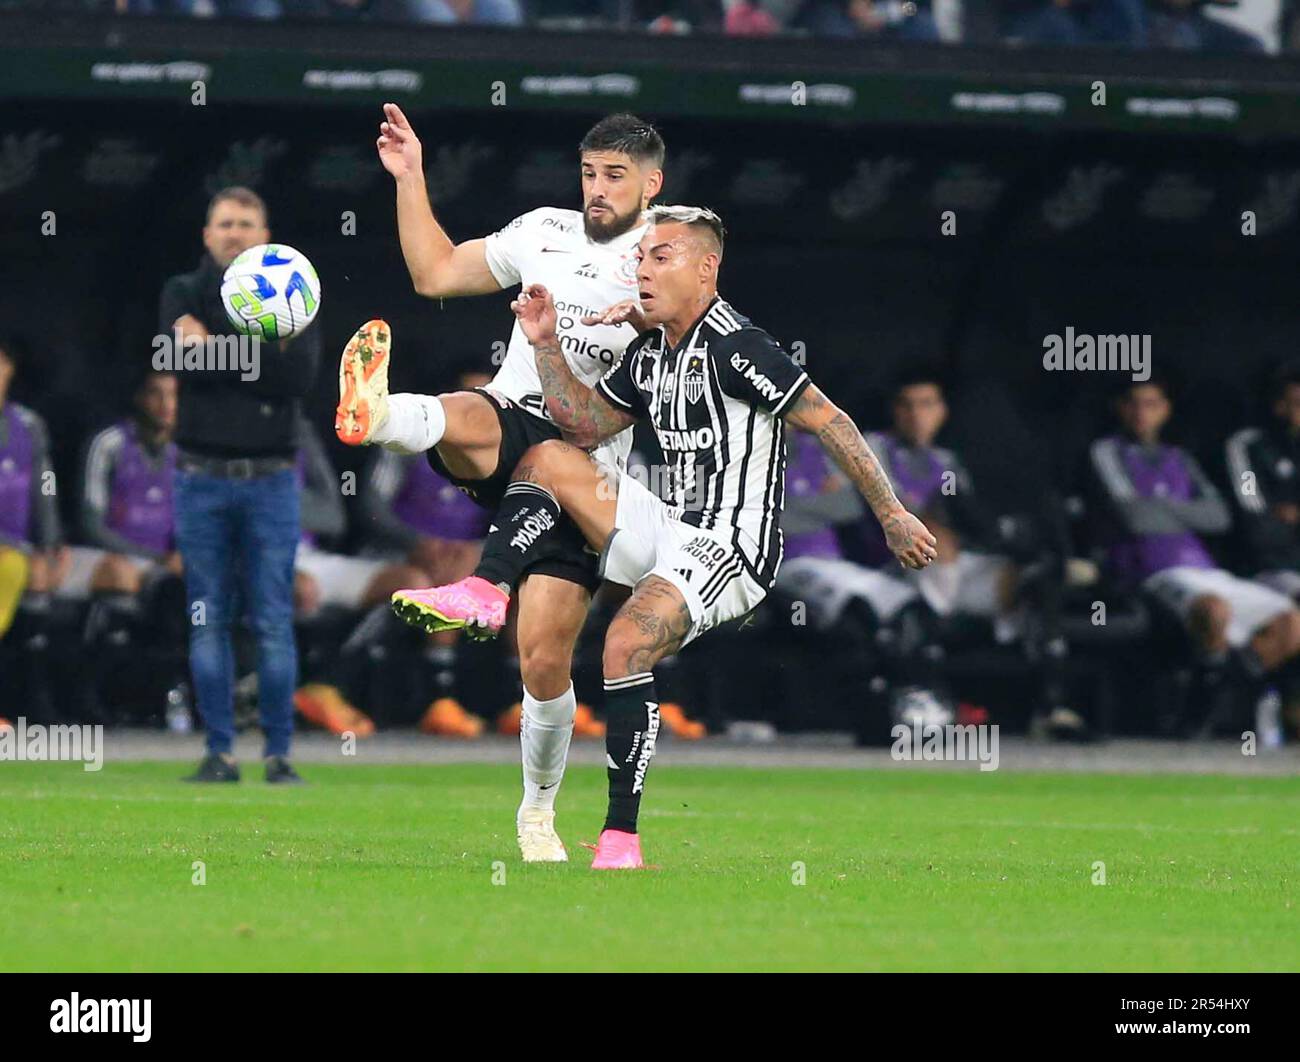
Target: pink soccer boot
(616,850)
(473,605)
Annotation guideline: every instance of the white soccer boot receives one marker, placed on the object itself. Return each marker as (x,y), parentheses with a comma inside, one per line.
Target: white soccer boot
(538,841)
(363,384)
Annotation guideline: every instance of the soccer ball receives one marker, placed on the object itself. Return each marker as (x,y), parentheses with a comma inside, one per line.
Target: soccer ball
(271,291)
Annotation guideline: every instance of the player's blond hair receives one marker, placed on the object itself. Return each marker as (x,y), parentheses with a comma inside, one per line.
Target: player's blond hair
(693,217)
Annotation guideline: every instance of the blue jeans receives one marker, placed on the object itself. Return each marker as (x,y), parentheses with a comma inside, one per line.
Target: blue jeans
(238,538)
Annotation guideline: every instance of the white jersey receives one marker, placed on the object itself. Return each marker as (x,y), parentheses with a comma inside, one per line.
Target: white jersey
(549,246)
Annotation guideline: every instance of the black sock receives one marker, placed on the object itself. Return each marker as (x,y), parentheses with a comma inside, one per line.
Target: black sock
(631,729)
(111,619)
(31,633)
(440,662)
(527,519)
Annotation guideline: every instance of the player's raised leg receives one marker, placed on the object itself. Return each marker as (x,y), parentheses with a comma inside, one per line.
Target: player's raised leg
(462,425)
(552,477)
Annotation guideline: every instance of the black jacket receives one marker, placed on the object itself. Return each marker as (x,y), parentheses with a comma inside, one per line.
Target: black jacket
(1264,469)
(220,414)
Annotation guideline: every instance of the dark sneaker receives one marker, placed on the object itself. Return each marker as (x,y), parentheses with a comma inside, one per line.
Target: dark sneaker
(279,771)
(215,768)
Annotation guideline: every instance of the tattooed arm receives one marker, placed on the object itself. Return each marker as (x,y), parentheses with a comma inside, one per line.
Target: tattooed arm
(582,413)
(907,537)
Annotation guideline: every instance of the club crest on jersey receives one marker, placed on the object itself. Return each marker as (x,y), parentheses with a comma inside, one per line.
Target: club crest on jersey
(626,271)
(693,379)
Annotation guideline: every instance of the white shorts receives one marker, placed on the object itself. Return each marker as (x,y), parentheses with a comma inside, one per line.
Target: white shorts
(1252,605)
(968,585)
(81,570)
(342,580)
(704,566)
(1283,580)
(827,584)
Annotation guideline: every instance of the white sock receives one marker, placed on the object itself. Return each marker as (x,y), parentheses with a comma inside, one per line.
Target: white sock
(415,423)
(544,733)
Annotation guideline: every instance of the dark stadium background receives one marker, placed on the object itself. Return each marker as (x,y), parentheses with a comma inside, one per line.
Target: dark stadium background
(863,279)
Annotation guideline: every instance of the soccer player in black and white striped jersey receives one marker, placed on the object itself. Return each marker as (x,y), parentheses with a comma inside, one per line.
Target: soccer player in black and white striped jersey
(717,391)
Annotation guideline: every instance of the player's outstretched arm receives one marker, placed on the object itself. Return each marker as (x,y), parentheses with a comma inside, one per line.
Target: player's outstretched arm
(909,540)
(580,412)
(438,267)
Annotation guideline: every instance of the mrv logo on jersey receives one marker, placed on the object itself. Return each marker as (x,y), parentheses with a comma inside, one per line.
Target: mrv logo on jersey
(762,384)
(77,1015)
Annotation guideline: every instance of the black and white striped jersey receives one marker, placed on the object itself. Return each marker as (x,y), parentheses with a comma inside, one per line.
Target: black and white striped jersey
(716,402)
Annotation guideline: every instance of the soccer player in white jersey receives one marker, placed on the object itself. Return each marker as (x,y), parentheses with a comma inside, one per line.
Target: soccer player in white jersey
(718,392)
(475,438)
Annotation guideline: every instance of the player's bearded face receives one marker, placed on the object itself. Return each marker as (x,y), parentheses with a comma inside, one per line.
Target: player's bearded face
(603,223)
(612,195)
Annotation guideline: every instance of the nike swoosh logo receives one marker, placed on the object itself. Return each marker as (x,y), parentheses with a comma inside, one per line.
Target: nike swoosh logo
(554,250)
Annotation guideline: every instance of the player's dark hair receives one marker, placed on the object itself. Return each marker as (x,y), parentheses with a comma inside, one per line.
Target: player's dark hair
(1160,382)
(626,133)
(145,375)
(237,193)
(691,217)
(917,376)
(1285,375)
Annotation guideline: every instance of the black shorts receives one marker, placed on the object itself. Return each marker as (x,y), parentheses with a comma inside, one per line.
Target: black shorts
(571,558)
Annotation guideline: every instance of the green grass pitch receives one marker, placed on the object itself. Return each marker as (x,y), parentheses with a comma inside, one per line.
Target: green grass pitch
(392,868)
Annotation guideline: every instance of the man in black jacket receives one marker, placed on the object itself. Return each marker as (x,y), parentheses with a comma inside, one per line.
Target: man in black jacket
(236,492)
(1264,470)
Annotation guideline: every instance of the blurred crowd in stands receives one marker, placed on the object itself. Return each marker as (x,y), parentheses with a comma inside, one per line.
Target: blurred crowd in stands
(1187,25)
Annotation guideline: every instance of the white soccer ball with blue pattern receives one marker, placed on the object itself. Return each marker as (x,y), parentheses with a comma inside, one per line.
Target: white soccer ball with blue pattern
(271,291)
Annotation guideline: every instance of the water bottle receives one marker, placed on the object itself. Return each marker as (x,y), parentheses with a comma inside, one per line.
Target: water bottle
(178,710)
(1268,719)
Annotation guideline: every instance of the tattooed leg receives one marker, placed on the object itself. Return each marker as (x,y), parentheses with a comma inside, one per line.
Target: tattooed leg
(651,625)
